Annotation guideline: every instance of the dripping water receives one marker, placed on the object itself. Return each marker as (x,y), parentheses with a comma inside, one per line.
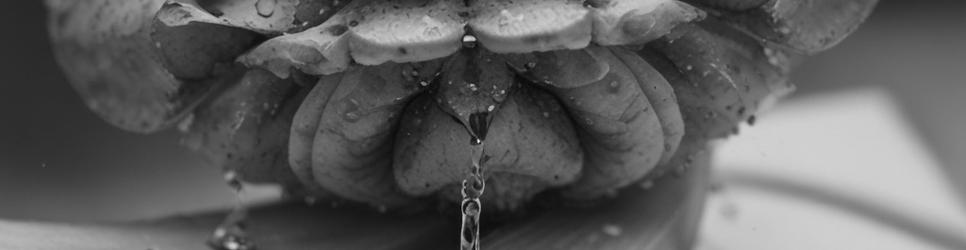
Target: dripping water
(473,185)
(231,234)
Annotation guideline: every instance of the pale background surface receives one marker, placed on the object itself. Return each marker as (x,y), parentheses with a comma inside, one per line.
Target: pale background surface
(868,152)
(60,162)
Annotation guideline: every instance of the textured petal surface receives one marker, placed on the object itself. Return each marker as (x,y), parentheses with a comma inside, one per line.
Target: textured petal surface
(245,129)
(352,150)
(508,26)
(405,31)
(106,51)
(623,22)
(807,26)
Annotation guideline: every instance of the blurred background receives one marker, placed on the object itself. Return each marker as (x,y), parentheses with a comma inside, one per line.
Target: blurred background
(58,161)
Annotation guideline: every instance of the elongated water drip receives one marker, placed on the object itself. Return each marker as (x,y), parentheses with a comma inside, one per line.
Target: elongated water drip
(230,234)
(471,207)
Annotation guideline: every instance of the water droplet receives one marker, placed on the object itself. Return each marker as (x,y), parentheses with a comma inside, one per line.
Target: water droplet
(227,237)
(472,189)
(530,65)
(265,8)
(351,116)
(614,86)
(230,234)
(499,96)
(351,111)
(546,114)
(475,141)
(231,177)
(408,75)
(469,41)
(479,124)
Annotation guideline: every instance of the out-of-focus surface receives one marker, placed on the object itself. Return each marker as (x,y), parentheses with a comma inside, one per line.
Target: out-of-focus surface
(854,144)
(58,161)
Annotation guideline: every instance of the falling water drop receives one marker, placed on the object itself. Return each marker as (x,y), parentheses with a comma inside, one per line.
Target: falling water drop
(471,206)
(474,184)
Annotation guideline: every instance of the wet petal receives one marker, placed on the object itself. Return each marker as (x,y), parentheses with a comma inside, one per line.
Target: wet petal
(192,49)
(724,76)
(263,16)
(304,126)
(619,130)
(808,26)
(320,50)
(246,128)
(661,96)
(405,31)
(506,26)
(107,52)
(351,153)
(531,147)
(625,22)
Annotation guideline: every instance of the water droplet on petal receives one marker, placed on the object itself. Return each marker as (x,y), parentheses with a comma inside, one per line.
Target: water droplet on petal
(351,116)
(530,65)
(614,87)
(469,41)
(265,8)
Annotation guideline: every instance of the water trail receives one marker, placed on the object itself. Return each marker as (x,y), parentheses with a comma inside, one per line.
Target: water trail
(230,234)
(471,207)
